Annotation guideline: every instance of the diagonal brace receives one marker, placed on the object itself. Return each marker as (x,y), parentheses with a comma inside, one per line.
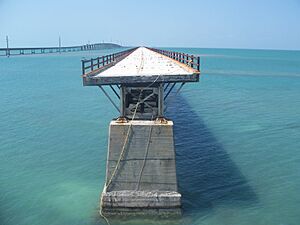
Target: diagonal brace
(107,95)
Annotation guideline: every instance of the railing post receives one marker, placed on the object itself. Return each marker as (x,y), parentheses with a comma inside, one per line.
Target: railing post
(187,59)
(98,62)
(198,62)
(83,67)
(92,65)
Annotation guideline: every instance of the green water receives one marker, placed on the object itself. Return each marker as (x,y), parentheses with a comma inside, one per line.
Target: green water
(237,135)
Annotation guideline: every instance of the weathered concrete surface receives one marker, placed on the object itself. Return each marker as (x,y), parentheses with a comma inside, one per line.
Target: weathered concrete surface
(162,203)
(144,66)
(169,213)
(145,62)
(143,199)
(146,176)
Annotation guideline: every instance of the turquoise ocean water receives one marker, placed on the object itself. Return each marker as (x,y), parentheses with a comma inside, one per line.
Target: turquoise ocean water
(237,135)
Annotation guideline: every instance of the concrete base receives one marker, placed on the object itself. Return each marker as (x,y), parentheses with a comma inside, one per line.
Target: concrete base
(141,203)
(145,181)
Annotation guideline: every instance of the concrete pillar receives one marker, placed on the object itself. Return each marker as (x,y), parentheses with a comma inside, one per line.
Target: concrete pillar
(145,180)
(122,101)
(161,100)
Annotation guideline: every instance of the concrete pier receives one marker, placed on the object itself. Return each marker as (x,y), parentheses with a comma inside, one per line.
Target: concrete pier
(141,164)
(146,178)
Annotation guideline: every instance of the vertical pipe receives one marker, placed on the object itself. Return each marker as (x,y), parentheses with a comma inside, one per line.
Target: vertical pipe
(160,100)
(122,101)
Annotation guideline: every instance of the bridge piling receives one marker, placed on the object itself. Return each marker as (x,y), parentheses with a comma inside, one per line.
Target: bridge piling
(140,168)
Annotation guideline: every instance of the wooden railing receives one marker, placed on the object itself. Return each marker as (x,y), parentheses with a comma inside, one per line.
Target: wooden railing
(190,60)
(93,64)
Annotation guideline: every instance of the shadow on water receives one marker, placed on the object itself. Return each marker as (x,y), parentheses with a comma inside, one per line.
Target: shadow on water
(206,174)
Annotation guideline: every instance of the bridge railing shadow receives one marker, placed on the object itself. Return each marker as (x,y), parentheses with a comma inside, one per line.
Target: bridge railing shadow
(207,176)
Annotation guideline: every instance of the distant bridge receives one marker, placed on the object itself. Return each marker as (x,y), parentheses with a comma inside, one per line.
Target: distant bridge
(46,50)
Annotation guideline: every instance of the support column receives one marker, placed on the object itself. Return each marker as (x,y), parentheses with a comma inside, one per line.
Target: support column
(122,101)
(140,170)
(160,101)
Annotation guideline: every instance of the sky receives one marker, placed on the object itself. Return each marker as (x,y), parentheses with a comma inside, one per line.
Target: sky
(250,24)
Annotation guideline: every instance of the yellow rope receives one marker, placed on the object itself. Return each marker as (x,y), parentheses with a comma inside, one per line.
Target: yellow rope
(119,160)
(123,150)
(145,157)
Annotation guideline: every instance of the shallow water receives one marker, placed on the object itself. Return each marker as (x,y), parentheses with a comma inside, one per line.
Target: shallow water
(237,135)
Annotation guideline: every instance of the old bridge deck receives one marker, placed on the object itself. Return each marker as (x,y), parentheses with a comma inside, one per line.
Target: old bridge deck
(141,65)
(141,168)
